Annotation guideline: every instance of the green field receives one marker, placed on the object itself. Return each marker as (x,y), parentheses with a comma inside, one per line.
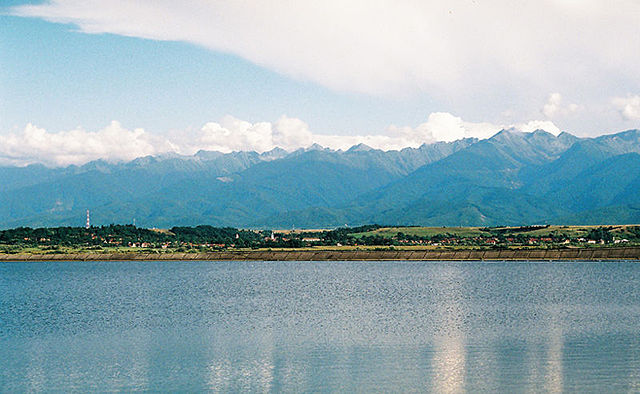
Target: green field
(621,231)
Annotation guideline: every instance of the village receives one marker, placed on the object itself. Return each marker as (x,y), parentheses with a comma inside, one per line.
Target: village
(209,238)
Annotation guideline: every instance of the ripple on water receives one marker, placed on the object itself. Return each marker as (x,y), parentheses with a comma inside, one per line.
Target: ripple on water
(347,326)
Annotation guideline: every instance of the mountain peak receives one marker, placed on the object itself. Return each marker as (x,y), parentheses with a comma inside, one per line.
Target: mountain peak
(208,154)
(540,136)
(541,132)
(143,161)
(360,148)
(312,148)
(100,165)
(628,135)
(507,134)
(274,154)
(315,146)
(567,137)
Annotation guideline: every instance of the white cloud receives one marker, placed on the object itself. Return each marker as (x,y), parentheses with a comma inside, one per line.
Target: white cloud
(230,134)
(115,143)
(36,145)
(534,125)
(389,47)
(291,132)
(556,107)
(629,107)
(442,126)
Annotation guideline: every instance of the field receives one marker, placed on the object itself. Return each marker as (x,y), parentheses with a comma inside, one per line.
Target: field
(469,232)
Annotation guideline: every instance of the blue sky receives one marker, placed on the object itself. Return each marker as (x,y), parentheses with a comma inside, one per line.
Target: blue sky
(58,78)
(390,73)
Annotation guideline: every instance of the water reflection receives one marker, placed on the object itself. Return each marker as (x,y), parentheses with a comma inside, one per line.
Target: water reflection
(35,374)
(349,327)
(554,356)
(553,359)
(449,350)
(248,375)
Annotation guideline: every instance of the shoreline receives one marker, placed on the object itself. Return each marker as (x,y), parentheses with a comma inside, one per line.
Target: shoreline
(593,254)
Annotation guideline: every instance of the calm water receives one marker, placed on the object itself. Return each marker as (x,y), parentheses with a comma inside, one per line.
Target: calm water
(289,326)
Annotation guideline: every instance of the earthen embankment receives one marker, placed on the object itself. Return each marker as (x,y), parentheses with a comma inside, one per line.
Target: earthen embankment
(628,253)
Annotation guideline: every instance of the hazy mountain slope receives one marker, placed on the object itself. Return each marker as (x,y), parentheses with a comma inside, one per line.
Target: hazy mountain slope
(625,214)
(471,206)
(60,196)
(474,185)
(471,176)
(313,178)
(510,178)
(614,181)
(579,158)
(514,178)
(235,188)
(13,178)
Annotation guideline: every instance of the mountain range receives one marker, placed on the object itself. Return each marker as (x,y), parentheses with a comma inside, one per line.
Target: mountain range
(512,178)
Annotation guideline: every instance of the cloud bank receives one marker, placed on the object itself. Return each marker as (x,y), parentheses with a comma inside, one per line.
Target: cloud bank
(555,106)
(391,47)
(115,143)
(629,107)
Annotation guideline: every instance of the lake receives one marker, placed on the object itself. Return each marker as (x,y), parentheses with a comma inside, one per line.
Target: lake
(320,326)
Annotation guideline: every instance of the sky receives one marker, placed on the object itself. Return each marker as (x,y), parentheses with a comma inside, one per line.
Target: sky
(87,79)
